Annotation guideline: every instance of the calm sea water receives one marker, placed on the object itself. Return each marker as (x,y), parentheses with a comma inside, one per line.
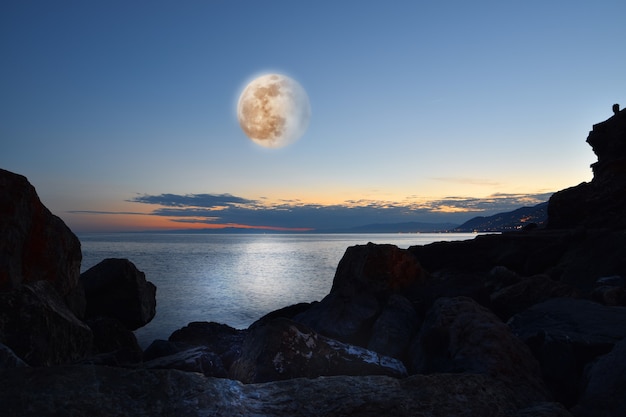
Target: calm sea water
(233,279)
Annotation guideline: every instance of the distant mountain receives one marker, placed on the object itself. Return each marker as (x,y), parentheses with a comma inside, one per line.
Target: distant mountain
(512,220)
(407,227)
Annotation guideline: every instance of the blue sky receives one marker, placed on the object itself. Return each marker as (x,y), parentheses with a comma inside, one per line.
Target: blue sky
(421,110)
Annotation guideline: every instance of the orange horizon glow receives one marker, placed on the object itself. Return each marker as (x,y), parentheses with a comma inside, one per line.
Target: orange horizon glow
(86,223)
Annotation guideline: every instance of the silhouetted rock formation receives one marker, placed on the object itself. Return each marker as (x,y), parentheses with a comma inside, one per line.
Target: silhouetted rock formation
(36,245)
(116,288)
(600,203)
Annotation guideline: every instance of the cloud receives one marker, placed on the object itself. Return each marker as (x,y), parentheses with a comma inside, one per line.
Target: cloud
(191,200)
(227,209)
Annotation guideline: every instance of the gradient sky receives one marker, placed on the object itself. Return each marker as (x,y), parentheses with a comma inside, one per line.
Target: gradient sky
(122,113)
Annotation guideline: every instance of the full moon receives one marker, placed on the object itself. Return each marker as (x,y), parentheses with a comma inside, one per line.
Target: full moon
(273,110)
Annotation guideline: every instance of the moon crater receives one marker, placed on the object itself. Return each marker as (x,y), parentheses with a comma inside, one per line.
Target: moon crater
(273,110)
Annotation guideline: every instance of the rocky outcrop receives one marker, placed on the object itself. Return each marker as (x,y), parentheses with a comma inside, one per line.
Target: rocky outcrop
(36,245)
(366,277)
(604,385)
(565,335)
(106,391)
(283,349)
(460,336)
(600,203)
(37,325)
(116,288)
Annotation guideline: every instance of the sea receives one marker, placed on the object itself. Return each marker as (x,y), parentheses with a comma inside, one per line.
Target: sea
(233,278)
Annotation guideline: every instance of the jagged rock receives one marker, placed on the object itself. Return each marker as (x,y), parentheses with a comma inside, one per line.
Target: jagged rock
(366,276)
(36,245)
(37,325)
(221,339)
(459,335)
(110,336)
(288,312)
(116,288)
(605,385)
(528,291)
(8,358)
(97,391)
(198,359)
(565,334)
(601,202)
(395,327)
(283,349)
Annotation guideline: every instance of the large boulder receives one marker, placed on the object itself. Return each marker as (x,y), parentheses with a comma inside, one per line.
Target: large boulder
(113,343)
(283,349)
(604,385)
(37,325)
(517,297)
(394,329)
(565,335)
(221,339)
(116,288)
(36,245)
(460,336)
(97,391)
(365,278)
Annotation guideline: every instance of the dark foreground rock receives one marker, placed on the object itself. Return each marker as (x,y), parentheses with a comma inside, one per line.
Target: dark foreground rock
(460,336)
(604,385)
(565,335)
(36,245)
(104,391)
(283,349)
(116,288)
(38,326)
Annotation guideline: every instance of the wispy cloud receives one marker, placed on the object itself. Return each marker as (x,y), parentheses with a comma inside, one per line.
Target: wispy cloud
(227,209)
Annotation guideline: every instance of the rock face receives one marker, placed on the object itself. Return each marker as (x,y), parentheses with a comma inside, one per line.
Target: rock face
(106,391)
(116,288)
(605,385)
(283,349)
(366,277)
(37,325)
(565,335)
(460,336)
(601,202)
(35,245)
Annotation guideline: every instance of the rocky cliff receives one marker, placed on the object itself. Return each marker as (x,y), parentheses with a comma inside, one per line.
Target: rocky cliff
(527,323)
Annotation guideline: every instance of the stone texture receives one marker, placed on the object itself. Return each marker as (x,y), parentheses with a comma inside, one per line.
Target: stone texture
(36,245)
(460,336)
(365,278)
(110,336)
(517,297)
(394,329)
(97,391)
(565,335)
(283,349)
(604,386)
(116,288)
(37,325)
(198,359)
(8,358)
(221,339)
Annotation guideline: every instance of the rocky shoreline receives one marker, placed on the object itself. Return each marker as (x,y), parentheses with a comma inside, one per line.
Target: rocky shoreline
(527,323)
